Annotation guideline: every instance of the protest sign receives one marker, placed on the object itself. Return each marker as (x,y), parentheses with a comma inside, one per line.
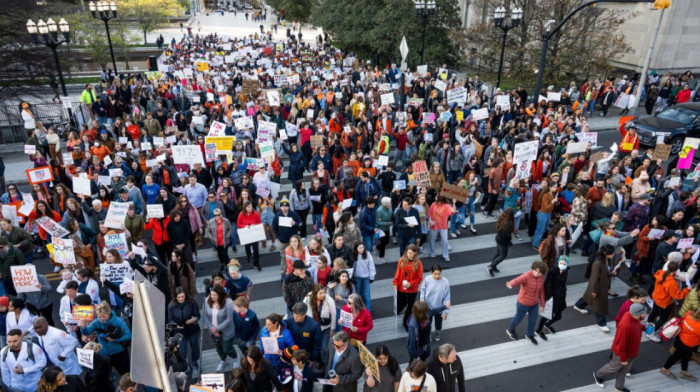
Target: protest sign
(591,137)
(243,123)
(266,130)
(522,170)
(118,242)
(576,148)
(422,69)
(81,186)
(158,141)
(155,211)
(480,114)
(267,151)
(685,243)
(217,129)
(215,381)
(223,143)
(454,192)
(104,180)
(280,80)
(316,141)
(39,175)
(273,97)
(82,312)
(52,227)
(63,252)
(503,101)
(420,171)
(210,152)
(555,97)
(400,184)
(187,155)
(369,360)
(115,272)
(68,158)
(24,278)
(270,345)
(440,85)
(85,357)
(387,99)
(415,102)
(457,95)
(383,160)
(116,214)
(525,152)
(253,233)
(29,149)
(662,152)
(115,173)
(428,118)
(345,318)
(9,211)
(347,203)
(127,286)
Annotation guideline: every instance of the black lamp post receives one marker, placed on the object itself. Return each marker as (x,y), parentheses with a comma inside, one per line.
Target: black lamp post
(105,12)
(424,9)
(49,37)
(499,17)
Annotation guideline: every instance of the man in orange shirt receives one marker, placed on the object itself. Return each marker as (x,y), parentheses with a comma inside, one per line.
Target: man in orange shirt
(630,140)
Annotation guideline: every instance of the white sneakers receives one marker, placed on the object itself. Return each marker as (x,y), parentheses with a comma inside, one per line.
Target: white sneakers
(222,366)
(582,311)
(604,328)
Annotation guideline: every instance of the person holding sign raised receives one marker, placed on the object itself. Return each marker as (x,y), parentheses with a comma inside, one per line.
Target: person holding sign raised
(9,256)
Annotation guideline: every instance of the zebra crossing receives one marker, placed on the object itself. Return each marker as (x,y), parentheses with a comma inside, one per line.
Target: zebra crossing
(481,310)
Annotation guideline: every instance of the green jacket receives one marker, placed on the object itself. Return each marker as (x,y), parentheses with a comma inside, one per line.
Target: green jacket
(383,219)
(88,97)
(692,301)
(13,256)
(20,236)
(135,226)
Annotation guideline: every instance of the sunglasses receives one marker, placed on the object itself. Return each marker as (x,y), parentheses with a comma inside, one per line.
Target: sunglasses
(217,214)
(338,345)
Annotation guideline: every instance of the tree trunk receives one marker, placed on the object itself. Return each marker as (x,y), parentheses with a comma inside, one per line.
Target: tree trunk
(144,38)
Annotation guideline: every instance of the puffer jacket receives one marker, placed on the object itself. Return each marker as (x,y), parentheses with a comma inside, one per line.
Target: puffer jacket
(109,348)
(666,291)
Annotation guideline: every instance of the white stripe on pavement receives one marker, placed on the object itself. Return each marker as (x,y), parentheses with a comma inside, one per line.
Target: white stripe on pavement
(650,381)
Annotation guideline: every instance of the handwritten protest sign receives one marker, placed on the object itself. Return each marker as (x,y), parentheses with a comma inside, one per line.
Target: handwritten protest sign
(39,175)
(63,251)
(420,171)
(273,97)
(52,227)
(81,186)
(440,85)
(267,151)
(243,123)
(217,129)
(454,192)
(127,286)
(116,214)
(522,170)
(115,272)
(251,234)
(480,114)
(662,151)
(29,149)
(81,312)
(576,148)
(457,95)
(68,158)
(591,137)
(24,278)
(188,155)
(118,242)
(155,211)
(387,99)
(210,152)
(85,357)
(503,101)
(368,359)
(525,152)
(266,130)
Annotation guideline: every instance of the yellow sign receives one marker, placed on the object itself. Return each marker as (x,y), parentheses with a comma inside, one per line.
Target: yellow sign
(202,66)
(460,115)
(223,143)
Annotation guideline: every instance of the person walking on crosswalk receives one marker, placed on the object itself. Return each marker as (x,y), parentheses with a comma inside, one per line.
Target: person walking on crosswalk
(407,279)
(596,294)
(530,299)
(554,289)
(625,348)
(435,290)
(504,232)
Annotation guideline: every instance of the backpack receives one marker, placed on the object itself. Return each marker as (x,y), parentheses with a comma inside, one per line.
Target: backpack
(671,329)
(30,350)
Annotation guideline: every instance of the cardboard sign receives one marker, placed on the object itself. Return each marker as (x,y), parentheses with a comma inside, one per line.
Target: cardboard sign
(116,215)
(454,192)
(480,114)
(420,171)
(155,210)
(85,357)
(223,143)
(387,99)
(217,129)
(118,242)
(82,186)
(526,152)
(210,152)
(63,252)
(84,312)
(115,272)
(39,175)
(662,151)
(188,155)
(52,227)
(369,360)
(24,278)
(316,141)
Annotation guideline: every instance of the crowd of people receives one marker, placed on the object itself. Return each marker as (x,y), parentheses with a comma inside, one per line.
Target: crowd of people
(371,176)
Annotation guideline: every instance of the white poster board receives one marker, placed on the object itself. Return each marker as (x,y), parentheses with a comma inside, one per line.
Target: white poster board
(188,155)
(24,278)
(251,234)
(116,215)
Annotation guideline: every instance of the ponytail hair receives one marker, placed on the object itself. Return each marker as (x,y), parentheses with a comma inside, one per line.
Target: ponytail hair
(671,268)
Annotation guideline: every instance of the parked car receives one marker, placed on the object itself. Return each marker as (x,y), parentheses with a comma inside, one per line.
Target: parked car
(673,123)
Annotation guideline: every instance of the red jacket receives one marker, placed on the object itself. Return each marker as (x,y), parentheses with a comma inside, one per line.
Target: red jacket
(531,289)
(414,277)
(628,337)
(160,235)
(248,220)
(363,322)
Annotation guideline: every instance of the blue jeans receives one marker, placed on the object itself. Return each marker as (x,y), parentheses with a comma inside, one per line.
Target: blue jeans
(520,312)
(541,229)
(591,106)
(234,235)
(368,240)
(362,288)
(317,221)
(518,218)
(193,342)
(403,243)
(599,318)
(338,327)
(443,239)
(400,156)
(457,219)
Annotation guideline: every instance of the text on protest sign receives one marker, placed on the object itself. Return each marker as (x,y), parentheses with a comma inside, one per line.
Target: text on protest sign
(24,278)
(85,357)
(525,152)
(115,272)
(155,210)
(39,175)
(457,95)
(188,155)
(116,214)
(63,251)
(420,171)
(117,242)
(52,227)
(217,129)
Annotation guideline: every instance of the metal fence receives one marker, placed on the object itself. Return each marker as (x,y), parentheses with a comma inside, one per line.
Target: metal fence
(12,126)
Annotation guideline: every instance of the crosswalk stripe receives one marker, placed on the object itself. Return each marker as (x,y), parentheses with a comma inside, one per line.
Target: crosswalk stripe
(651,381)
(457,276)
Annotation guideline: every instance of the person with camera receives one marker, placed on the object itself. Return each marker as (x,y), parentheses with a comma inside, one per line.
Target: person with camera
(173,357)
(344,367)
(184,313)
(112,333)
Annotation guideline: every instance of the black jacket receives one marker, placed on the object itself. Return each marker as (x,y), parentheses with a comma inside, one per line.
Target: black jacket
(555,287)
(180,314)
(97,378)
(404,231)
(343,252)
(179,232)
(503,238)
(265,381)
(446,374)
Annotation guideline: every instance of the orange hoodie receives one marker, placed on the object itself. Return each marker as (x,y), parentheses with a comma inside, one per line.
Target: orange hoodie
(666,291)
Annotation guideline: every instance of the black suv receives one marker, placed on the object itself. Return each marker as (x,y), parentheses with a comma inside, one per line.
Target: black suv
(674,123)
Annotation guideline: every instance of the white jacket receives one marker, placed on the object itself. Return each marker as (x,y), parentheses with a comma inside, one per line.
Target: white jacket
(327,311)
(24,324)
(27,381)
(58,343)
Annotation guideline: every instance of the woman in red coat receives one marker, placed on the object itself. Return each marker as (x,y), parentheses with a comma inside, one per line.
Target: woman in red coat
(407,279)
(42,209)
(249,217)
(361,319)
(160,235)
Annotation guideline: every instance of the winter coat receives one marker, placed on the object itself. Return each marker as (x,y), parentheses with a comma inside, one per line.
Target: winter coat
(362,321)
(211,231)
(179,314)
(447,375)
(183,279)
(109,347)
(598,283)
(667,290)
(555,287)
(284,340)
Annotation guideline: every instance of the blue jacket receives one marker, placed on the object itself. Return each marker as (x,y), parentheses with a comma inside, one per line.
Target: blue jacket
(248,327)
(284,233)
(326,159)
(108,347)
(368,220)
(284,340)
(307,335)
(364,190)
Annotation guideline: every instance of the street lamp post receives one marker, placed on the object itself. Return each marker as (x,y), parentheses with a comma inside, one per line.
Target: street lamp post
(499,17)
(105,12)
(424,9)
(49,37)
